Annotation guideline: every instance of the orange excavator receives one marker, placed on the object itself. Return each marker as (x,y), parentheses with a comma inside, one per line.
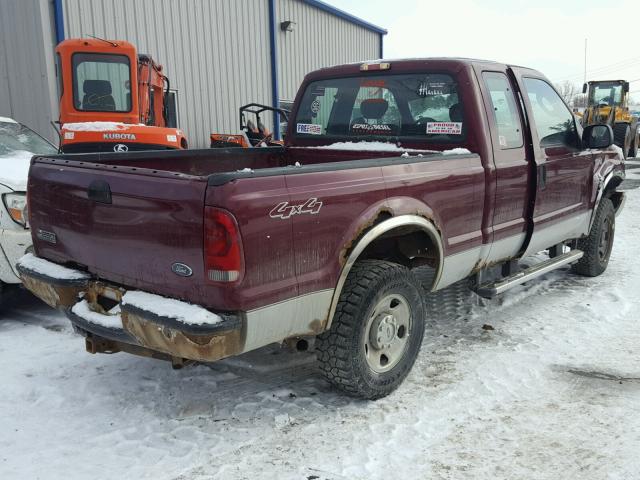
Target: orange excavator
(113,99)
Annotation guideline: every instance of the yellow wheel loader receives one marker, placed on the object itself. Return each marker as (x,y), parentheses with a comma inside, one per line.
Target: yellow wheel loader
(608,102)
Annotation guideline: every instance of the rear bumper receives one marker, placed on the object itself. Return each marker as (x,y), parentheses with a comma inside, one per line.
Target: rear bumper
(110,323)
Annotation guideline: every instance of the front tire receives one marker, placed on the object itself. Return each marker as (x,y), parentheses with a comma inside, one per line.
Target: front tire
(597,246)
(635,139)
(622,136)
(376,331)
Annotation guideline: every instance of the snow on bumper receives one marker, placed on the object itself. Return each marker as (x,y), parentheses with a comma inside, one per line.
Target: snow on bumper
(13,245)
(114,319)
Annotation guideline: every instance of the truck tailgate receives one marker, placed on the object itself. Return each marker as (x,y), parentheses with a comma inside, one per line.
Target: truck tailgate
(123,224)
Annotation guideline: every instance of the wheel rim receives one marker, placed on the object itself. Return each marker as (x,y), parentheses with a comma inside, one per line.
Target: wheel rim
(387,333)
(604,245)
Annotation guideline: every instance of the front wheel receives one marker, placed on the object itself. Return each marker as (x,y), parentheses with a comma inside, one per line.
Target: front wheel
(376,331)
(598,244)
(635,140)
(622,136)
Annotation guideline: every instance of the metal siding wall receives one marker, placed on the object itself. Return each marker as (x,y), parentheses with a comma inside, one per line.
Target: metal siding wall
(318,40)
(28,91)
(215,52)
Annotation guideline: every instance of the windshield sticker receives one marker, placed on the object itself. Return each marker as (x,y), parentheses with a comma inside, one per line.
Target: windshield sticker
(315,106)
(365,127)
(309,128)
(318,91)
(427,89)
(503,140)
(444,128)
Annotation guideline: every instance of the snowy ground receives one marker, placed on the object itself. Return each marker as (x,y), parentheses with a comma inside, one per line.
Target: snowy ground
(552,392)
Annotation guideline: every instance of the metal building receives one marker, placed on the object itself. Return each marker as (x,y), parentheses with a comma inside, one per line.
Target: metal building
(219,54)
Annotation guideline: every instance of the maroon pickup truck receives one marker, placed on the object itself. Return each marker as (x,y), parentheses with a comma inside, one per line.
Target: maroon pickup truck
(456,166)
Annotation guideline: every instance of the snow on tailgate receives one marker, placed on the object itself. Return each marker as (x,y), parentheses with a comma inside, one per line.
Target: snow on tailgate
(168,307)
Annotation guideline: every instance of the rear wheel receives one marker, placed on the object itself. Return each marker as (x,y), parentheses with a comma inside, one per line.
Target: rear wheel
(633,148)
(598,244)
(376,331)
(622,136)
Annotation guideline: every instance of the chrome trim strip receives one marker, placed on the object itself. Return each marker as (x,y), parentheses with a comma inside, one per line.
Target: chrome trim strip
(375,232)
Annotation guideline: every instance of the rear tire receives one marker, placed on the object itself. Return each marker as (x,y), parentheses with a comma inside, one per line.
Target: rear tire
(622,136)
(376,332)
(633,149)
(597,246)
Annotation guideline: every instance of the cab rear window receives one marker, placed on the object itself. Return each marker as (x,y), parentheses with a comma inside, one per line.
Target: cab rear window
(419,107)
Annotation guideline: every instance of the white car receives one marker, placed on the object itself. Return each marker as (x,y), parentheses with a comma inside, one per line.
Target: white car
(17,145)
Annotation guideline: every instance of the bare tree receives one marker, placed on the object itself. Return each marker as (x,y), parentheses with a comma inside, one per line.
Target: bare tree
(580,101)
(567,90)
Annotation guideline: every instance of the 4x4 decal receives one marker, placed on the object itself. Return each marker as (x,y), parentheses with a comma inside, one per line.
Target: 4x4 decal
(283,210)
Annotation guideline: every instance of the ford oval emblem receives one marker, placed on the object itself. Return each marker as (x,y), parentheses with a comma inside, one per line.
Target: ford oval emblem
(181,269)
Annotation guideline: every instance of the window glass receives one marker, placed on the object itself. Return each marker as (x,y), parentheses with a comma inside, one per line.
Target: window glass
(101,82)
(420,107)
(554,122)
(606,93)
(505,112)
(15,137)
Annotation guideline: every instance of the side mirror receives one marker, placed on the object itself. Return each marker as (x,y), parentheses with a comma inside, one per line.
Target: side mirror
(626,87)
(584,88)
(597,136)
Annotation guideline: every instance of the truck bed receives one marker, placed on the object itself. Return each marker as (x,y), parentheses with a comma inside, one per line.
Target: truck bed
(128,218)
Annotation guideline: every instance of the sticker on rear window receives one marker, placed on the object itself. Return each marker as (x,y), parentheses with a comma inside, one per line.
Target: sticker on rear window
(444,128)
(366,127)
(309,128)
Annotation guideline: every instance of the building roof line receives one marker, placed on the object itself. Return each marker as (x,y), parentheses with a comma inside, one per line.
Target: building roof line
(345,16)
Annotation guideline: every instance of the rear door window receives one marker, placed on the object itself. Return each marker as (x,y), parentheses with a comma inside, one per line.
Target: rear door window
(419,107)
(505,111)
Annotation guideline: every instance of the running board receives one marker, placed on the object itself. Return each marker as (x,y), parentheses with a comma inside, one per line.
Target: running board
(489,290)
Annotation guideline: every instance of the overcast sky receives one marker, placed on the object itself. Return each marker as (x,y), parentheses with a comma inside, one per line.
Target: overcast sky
(547,35)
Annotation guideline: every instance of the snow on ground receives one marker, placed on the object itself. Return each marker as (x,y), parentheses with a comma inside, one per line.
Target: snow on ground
(552,391)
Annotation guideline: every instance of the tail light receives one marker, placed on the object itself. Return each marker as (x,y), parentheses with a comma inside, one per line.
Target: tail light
(223,259)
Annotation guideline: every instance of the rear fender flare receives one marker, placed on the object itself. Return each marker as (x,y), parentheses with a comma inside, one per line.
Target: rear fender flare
(376,231)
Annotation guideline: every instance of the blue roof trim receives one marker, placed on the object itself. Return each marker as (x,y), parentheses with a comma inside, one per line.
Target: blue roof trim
(345,16)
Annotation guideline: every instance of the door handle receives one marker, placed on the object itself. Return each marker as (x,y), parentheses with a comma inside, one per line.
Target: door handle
(542,177)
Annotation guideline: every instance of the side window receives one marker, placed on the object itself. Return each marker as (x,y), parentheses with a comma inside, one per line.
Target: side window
(554,122)
(505,111)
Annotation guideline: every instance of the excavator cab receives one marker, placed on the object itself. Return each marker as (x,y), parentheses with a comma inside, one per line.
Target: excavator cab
(112,99)
(608,103)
